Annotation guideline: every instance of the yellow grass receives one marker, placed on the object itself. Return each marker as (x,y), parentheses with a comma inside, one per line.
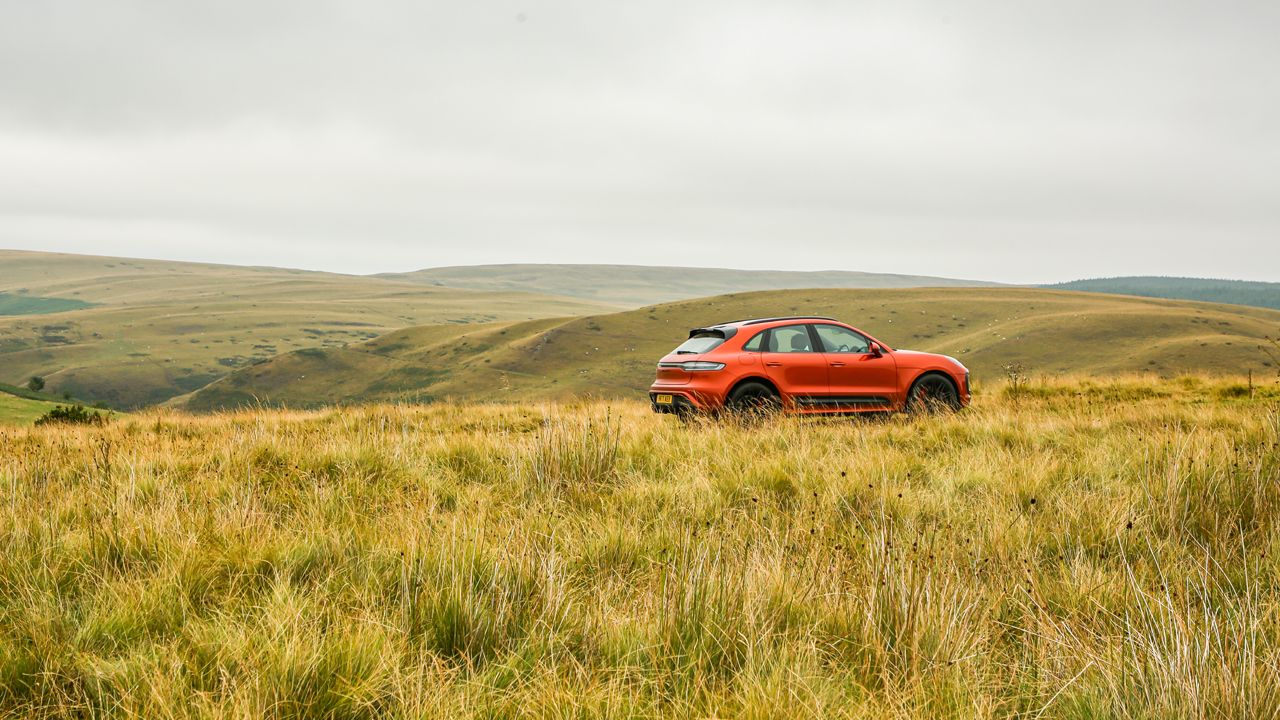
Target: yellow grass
(1072,551)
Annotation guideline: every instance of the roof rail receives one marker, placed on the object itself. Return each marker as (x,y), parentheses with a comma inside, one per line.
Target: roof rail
(787,317)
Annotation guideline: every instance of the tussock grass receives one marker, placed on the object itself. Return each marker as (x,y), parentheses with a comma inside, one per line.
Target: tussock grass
(1073,550)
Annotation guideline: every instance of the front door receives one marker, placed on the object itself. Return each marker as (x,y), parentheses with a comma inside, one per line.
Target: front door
(794,364)
(858,377)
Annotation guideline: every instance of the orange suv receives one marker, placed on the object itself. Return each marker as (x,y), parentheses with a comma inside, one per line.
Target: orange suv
(807,365)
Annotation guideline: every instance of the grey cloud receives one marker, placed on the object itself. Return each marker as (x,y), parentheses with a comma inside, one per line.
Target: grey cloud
(1012,141)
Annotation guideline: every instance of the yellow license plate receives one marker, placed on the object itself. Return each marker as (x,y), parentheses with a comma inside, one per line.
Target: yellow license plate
(665,399)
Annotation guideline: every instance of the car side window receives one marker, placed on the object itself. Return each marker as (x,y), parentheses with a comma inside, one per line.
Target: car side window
(790,339)
(756,344)
(836,339)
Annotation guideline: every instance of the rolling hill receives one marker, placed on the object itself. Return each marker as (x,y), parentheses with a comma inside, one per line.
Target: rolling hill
(1238,292)
(639,285)
(20,406)
(1048,331)
(136,332)
(15,410)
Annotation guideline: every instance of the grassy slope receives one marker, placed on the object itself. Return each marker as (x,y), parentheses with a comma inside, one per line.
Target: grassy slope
(1090,550)
(1240,292)
(638,285)
(21,406)
(16,410)
(164,328)
(614,355)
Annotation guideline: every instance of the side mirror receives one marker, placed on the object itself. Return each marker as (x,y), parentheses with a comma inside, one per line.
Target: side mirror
(876,350)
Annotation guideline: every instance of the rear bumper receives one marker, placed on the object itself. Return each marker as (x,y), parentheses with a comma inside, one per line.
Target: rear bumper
(703,393)
(681,404)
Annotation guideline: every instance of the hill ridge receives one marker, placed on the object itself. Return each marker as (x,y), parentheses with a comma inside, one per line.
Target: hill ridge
(643,285)
(1254,293)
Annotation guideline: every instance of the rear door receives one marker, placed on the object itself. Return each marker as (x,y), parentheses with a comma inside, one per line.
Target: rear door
(794,363)
(858,378)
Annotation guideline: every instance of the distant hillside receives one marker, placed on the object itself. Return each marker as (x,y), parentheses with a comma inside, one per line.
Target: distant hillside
(1236,292)
(638,285)
(614,355)
(157,329)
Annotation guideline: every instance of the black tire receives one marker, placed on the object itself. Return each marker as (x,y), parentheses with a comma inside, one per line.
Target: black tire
(753,399)
(933,393)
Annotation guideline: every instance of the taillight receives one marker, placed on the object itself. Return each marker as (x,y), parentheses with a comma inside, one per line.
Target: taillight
(701,366)
(693,365)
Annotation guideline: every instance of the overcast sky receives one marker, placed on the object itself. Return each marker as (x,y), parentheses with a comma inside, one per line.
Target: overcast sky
(1020,140)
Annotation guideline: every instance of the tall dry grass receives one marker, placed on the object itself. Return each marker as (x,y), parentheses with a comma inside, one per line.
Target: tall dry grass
(1071,550)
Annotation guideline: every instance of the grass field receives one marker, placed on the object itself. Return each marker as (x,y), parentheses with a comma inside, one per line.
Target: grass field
(159,329)
(1082,549)
(614,355)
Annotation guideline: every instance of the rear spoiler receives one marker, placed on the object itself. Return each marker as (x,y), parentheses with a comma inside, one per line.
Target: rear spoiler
(724,333)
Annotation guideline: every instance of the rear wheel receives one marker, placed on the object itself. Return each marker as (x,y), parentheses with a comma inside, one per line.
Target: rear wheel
(933,393)
(753,398)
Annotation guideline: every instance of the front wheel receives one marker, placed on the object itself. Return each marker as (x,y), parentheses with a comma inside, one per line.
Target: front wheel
(933,394)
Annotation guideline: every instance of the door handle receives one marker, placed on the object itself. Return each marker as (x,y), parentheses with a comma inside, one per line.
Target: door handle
(773,364)
(837,364)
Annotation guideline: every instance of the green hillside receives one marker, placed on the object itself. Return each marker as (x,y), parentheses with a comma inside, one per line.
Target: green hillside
(638,285)
(21,411)
(158,329)
(1049,332)
(19,406)
(1238,292)
(22,406)
(19,304)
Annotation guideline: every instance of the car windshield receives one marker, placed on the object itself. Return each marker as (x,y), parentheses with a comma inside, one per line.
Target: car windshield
(699,343)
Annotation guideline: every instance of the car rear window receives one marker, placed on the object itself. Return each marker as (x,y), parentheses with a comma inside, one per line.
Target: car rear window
(700,343)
